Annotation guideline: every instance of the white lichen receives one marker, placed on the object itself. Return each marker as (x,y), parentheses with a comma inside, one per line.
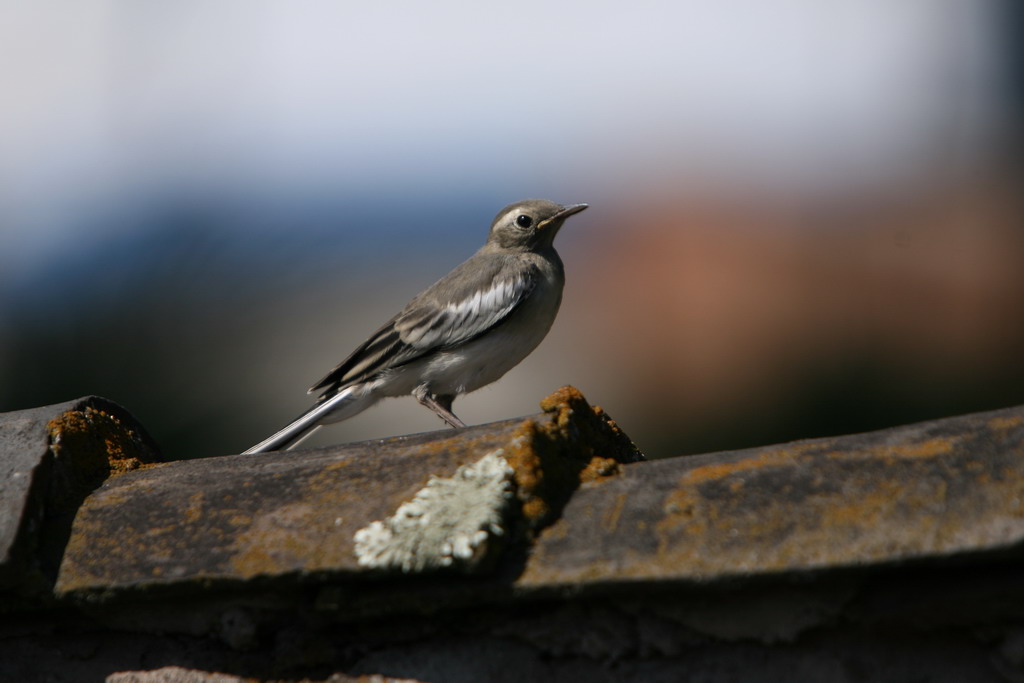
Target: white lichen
(447,522)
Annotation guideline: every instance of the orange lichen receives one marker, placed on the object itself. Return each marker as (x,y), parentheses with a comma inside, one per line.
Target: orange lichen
(98,432)
(194,511)
(611,519)
(523,456)
(75,434)
(269,544)
(574,420)
(535,510)
(680,514)
(562,402)
(599,468)
(775,458)
(920,449)
(1005,423)
(552,457)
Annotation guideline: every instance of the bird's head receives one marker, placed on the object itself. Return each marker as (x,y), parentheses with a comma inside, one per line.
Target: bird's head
(529,225)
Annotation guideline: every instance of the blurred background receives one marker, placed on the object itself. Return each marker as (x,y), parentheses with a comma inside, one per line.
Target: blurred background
(806,218)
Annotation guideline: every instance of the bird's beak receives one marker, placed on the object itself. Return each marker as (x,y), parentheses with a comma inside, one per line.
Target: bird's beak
(562,215)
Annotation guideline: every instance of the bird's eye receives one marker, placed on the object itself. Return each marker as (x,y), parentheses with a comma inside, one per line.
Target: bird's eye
(524,221)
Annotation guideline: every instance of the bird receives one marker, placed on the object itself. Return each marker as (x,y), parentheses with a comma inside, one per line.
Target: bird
(463,332)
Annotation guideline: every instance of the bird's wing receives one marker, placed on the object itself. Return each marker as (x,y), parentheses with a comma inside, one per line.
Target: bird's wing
(472,299)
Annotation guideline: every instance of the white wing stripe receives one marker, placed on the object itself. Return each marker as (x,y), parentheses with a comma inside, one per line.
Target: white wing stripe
(470,317)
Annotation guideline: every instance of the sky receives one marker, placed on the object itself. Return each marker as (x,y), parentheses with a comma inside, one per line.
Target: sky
(109,103)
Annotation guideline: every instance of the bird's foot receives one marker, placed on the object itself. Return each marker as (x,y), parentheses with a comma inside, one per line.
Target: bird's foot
(442,407)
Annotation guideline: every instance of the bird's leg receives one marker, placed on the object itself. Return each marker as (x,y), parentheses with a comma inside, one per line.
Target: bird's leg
(442,407)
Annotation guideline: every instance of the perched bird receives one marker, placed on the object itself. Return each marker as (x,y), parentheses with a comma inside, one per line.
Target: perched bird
(465,331)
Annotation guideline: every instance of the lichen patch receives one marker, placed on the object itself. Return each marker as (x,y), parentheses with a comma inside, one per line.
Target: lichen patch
(447,523)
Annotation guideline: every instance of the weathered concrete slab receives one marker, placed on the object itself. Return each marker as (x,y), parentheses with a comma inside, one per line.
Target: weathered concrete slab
(50,459)
(237,518)
(938,489)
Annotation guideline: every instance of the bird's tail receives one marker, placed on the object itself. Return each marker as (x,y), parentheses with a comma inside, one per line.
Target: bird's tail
(341,406)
